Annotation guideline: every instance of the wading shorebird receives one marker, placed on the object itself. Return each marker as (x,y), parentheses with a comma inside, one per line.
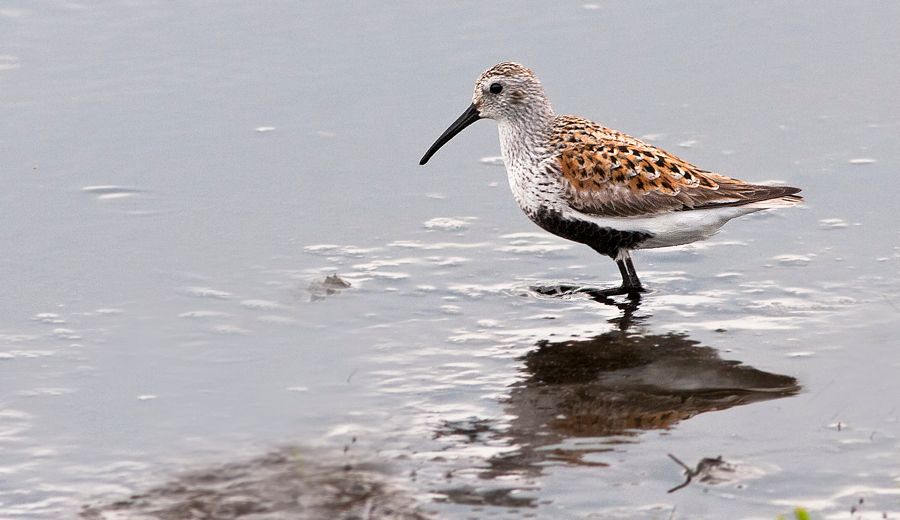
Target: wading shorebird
(599,187)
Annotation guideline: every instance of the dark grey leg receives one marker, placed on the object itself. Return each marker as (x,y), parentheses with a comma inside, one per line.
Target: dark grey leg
(623,270)
(633,280)
(630,282)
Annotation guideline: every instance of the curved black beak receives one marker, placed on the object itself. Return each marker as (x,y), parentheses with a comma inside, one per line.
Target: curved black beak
(467,118)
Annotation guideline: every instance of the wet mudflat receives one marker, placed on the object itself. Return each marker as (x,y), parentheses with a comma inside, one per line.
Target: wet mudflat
(224,270)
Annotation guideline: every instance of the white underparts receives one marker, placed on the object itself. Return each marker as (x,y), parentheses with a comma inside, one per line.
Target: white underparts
(678,227)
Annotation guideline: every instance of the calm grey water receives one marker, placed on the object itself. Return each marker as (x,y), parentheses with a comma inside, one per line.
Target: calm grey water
(180,178)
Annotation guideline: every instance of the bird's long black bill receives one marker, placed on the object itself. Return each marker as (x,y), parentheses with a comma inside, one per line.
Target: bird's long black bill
(467,118)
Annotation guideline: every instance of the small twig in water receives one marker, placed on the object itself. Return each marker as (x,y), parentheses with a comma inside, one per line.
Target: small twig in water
(353,373)
(688,472)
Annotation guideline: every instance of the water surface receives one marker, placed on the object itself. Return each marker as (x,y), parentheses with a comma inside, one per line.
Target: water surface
(181,180)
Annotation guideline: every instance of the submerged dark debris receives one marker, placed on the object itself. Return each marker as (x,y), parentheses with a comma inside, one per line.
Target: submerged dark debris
(279,485)
(332,284)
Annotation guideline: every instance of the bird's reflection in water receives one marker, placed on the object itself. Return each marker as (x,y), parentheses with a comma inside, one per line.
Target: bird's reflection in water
(582,396)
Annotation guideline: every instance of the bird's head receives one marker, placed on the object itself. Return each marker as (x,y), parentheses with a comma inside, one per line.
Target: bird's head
(505,92)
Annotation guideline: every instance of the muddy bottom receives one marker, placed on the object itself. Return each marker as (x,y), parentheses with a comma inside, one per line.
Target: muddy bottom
(282,484)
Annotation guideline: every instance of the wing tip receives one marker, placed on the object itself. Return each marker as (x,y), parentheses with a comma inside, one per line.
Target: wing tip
(787,197)
(786,200)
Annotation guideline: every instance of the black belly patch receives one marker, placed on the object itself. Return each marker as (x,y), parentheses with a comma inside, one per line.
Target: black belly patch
(604,240)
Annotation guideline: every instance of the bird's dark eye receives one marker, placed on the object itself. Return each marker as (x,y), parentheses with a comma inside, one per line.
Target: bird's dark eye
(496,88)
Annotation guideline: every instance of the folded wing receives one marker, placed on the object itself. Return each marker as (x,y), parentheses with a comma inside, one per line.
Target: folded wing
(608,173)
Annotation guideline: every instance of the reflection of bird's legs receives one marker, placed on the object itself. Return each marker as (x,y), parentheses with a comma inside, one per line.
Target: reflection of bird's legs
(628,308)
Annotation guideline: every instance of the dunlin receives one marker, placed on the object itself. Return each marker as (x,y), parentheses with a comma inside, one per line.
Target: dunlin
(599,187)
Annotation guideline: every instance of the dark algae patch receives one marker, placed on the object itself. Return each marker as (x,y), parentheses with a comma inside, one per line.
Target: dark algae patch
(284,484)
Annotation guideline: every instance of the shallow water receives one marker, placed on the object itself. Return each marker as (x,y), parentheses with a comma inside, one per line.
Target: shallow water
(180,181)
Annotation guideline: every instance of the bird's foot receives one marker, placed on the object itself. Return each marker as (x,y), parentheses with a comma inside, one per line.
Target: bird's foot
(596,293)
(593,292)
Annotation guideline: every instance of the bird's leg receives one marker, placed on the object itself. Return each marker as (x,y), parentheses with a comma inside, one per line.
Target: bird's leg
(623,270)
(634,281)
(630,280)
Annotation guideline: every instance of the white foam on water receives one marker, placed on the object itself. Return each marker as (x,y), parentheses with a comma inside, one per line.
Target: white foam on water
(107,192)
(832,223)
(541,248)
(428,246)
(448,223)
(65,333)
(206,292)
(793,260)
(229,330)
(49,317)
(494,160)
(45,392)
(203,315)
(262,305)
(277,320)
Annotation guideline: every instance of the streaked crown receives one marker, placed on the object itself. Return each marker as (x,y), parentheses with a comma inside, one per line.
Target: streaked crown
(507,68)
